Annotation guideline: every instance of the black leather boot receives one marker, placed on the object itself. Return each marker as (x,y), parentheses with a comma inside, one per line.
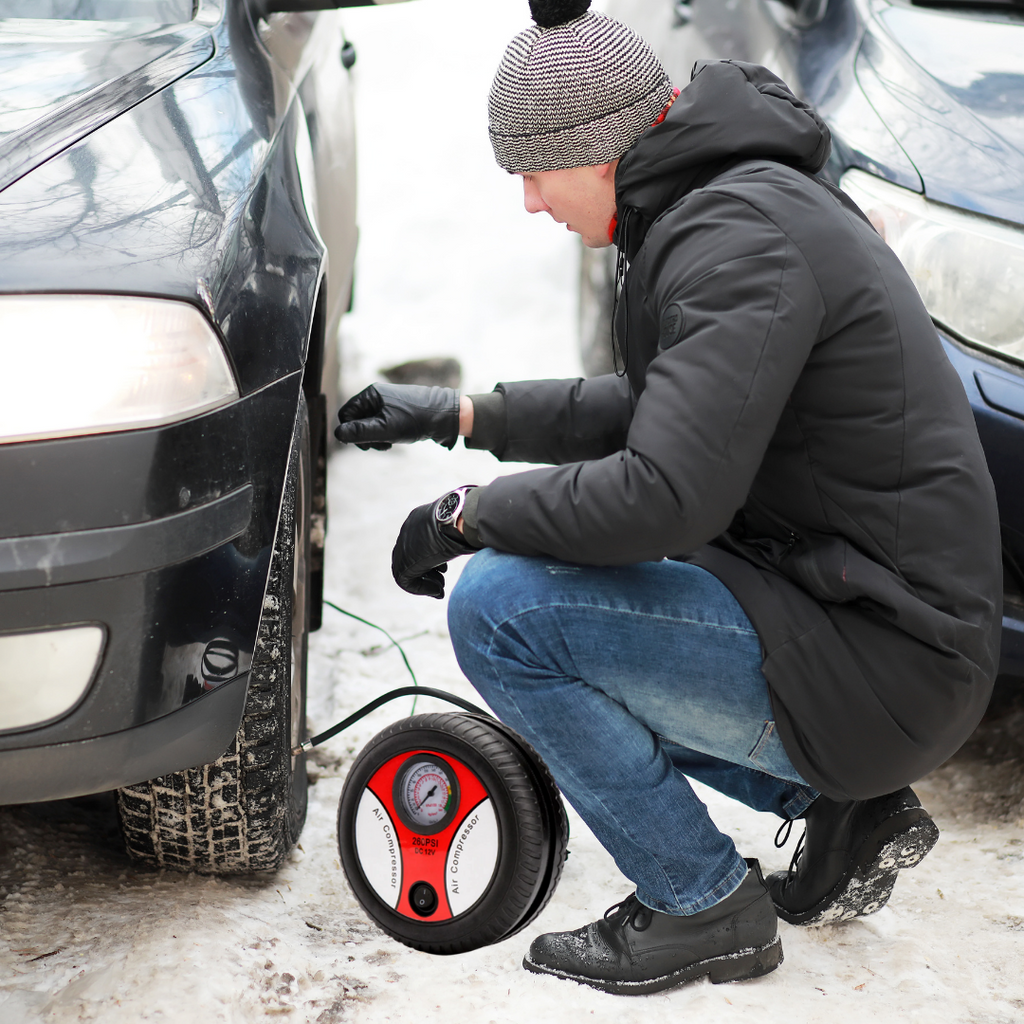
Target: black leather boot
(846,863)
(634,950)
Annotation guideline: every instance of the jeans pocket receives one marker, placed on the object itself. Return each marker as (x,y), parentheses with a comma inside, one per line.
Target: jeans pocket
(770,756)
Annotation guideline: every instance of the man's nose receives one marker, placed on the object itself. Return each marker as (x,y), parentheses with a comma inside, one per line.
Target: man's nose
(532,200)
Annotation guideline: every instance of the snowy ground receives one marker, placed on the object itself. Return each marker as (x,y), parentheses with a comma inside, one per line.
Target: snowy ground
(450,265)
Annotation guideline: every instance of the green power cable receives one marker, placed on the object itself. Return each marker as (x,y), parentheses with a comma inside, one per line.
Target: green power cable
(373,625)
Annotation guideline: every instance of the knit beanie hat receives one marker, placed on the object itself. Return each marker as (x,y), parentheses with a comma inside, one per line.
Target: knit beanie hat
(575,89)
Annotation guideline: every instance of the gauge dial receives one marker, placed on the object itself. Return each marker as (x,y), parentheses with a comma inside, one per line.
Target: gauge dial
(426,793)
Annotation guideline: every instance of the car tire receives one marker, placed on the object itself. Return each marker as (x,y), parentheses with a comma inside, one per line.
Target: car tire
(245,811)
(597,295)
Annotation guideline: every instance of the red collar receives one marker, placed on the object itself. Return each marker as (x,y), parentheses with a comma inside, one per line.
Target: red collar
(661,117)
(666,108)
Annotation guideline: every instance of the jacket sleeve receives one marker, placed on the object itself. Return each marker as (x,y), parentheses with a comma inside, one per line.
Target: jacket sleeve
(751,312)
(553,421)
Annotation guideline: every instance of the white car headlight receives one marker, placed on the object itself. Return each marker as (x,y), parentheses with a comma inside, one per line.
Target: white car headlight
(89,364)
(968,269)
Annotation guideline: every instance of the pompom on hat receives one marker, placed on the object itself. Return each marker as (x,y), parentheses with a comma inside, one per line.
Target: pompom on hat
(577,88)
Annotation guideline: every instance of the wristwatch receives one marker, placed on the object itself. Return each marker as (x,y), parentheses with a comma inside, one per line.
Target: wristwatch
(449,508)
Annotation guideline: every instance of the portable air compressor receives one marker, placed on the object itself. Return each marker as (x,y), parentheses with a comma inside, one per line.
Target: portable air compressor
(451,831)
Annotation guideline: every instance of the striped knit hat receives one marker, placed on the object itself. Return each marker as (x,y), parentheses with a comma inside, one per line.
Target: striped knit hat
(577,88)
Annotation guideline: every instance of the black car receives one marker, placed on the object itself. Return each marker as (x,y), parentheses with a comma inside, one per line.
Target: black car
(925,102)
(177,200)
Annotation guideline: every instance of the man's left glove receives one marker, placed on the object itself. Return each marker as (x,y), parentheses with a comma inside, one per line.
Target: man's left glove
(427,540)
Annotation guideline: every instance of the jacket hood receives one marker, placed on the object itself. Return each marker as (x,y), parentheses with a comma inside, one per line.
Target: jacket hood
(730,111)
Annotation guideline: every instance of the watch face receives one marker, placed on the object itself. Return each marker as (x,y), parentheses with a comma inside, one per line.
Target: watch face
(446,507)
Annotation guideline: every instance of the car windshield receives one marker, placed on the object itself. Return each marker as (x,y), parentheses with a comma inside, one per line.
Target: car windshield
(160,12)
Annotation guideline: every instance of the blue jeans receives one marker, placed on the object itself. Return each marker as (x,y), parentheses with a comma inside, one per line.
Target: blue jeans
(627,680)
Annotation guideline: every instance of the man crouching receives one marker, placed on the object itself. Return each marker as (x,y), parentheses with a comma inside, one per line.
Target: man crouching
(765,557)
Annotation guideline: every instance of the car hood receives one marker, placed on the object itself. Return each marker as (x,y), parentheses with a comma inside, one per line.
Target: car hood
(950,86)
(60,80)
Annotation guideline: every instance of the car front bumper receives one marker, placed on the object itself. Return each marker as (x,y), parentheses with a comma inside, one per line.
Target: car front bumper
(195,734)
(162,539)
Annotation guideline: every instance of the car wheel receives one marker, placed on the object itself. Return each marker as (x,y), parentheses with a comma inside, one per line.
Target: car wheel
(245,811)
(597,293)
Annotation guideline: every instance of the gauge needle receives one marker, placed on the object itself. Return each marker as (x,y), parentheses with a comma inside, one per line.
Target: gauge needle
(433,790)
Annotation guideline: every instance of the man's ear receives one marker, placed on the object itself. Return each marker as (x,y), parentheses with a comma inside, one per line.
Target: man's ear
(607,170)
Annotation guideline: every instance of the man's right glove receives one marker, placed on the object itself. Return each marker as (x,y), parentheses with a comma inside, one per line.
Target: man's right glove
(386,414)
(426,542)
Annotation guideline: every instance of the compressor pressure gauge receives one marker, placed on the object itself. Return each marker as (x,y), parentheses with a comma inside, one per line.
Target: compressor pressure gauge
(426,793)
(451,831)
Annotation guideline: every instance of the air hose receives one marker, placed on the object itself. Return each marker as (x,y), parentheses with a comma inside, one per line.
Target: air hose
(403,691)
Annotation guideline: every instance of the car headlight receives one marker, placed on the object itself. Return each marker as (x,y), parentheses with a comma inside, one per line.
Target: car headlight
(88,364)
(968,269)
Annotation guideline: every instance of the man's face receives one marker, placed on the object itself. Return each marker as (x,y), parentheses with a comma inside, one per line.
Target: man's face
(581,198)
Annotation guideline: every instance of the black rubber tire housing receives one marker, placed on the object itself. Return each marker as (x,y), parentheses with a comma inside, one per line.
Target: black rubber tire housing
(245,811)
(532,826)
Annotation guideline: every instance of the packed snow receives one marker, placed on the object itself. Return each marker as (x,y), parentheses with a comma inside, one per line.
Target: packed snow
(450,265)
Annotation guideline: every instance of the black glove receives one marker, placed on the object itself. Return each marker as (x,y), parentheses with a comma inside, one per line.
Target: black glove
(421,553)
(386,414)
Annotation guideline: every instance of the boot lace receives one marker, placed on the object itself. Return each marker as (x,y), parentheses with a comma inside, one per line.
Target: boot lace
(782,837)
(629,911)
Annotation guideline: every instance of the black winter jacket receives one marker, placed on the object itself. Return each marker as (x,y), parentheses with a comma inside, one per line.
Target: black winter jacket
(790,423)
